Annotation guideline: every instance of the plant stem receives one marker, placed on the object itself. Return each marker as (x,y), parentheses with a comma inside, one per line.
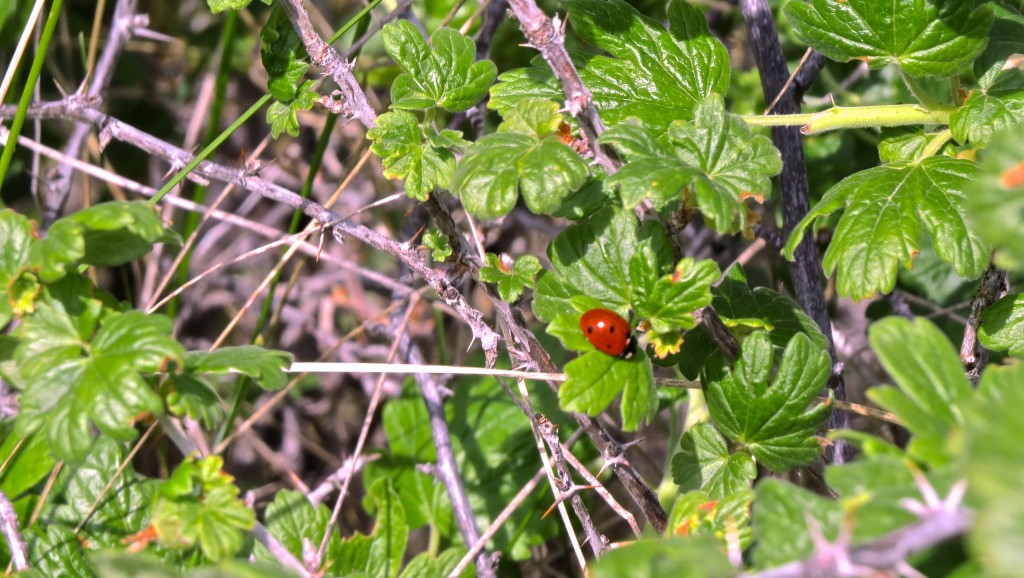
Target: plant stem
(919,92)
(30,82)
(936,144)
(840,117)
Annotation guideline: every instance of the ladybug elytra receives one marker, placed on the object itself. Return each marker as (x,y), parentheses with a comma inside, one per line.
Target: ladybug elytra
(608,332)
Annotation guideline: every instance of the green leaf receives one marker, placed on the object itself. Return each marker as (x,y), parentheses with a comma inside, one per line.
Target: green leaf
(671,301)
(27,467)
(678,557)
(983,116)
(498,166)
(704,463)
(425,565)
(680,67)
(777,423)
(192,396)
(283,56)
(884,210)
(923,37)
(532,117)
(282,118)
(124,507)
(292,519)
(16,239)
(199,505)
(994,460)
(1005,40)
(595,378)
(714,158)
(390,533)
(77,380)
(511,280)
(439,244)
(932,387)
(407,153)
(781,522)
(695,513)
(552,297)
(222,5)
(56,551)
(593,256)
(266,367)
(444,76)
(995,200)
(1002,325)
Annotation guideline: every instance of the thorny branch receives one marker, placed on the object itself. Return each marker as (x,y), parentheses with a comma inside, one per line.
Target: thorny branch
(57,186)
(11,533)
(546,36)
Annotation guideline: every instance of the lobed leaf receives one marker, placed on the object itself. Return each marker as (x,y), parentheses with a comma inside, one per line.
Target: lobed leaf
(704,463)
(777,423)
(407,153)
(1002,325)
(923,37)
(884,209)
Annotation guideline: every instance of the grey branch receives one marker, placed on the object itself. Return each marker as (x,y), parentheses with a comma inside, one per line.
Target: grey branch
(354,103)
(57,186)
(545,35)
(11,532)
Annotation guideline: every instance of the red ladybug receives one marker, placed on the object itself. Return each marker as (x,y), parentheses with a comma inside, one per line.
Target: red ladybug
(608,332)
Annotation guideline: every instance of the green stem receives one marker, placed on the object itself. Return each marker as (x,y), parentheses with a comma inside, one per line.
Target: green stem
(177,178)
(920,93)
(840,117)
(936,144)
(26,93)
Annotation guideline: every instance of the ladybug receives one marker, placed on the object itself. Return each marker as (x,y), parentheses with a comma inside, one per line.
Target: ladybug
(608,332)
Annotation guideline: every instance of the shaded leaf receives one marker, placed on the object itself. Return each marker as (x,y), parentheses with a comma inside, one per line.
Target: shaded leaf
(704,463)
(1002,325)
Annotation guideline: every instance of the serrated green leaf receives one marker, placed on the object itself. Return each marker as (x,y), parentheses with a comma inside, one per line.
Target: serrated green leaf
(79,380)
(124,507)
(439,244)
(1002,325)
(681,66)
(995,200)
(780,526)
(199,505)
(884,210)
(56,551)
(425,565)
(923,37)
(291,519)
(266,367)
(932,387)
(399,142)
(121,231)
(679,557)
(282,118)
(511,281)
(595,378)
(443,76)
(983,116)
(670,304)
(498,166)
(704,463)
(283,54)
(714,158)
(777,423)
(593,256)
(1005,40)
(994,461)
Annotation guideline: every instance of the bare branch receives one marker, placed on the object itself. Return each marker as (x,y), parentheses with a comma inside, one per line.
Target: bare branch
(354,103)
(990,289)
(11,532)
(546,36)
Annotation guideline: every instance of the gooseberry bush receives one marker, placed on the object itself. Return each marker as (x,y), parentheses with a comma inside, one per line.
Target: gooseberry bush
(808,212)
